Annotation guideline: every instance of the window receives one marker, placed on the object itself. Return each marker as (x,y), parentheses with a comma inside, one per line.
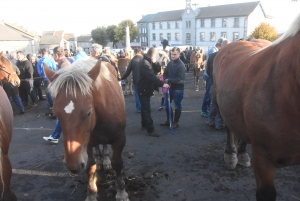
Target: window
(176,36)
(212,36)
(188,36)
(177,25)
(168,25)
(213,23)
(202,36)
(188,24)
(236,22)
(161,36)
(224,34)
(169,36)
(202,23)
(224,22)
(153,36)
(161,25)
(236,36)
(153,25)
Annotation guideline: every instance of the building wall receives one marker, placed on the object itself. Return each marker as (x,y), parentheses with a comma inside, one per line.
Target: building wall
(29,47)
(255,18)
(85,46)
(164,31)
(189,28)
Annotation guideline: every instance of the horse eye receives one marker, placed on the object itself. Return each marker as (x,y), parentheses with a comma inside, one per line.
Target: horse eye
(89,114)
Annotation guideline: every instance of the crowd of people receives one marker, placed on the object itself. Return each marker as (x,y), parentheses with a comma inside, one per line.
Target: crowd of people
(150,70)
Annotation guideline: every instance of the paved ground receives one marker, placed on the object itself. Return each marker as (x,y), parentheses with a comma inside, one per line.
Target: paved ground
(187,166)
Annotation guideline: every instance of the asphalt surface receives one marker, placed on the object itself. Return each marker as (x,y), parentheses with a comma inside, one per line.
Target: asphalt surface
(186,166)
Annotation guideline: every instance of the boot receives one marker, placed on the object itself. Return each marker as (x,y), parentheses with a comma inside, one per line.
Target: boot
(176,118)
(167,123)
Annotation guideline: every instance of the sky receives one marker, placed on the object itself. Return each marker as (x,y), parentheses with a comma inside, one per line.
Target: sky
(80,17)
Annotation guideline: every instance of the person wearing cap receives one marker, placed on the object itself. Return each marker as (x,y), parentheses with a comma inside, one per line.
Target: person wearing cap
(206,77)
(214,118)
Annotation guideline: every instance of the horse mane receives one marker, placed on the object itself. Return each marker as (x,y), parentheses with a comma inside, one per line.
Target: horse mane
(292,31)
(76,77)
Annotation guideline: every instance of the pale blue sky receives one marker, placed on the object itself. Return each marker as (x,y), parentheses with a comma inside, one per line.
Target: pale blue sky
(83,16)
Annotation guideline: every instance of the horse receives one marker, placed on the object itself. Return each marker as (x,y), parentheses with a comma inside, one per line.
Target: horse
(6,127)
(197,61)
(257,92)
(122,66)
(89,103)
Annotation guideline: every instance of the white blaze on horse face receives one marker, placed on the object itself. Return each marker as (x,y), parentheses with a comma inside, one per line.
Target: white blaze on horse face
(69,108)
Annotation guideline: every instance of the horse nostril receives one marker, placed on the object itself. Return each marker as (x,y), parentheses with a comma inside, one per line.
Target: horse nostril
(82,166)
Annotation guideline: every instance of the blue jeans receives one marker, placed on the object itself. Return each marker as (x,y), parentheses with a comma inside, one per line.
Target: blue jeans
(57,131)
(177,96)
(48,95)
(207,95)
(214,115)
(137,98)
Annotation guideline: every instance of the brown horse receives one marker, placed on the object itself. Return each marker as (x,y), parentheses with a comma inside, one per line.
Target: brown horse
(89,103)
(258,96)
(6,127)
(122,66)
(197,61)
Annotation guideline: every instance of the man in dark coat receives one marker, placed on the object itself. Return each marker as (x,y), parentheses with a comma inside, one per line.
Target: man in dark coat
(146,84)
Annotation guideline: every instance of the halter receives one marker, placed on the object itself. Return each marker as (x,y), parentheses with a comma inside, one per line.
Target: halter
(8,73)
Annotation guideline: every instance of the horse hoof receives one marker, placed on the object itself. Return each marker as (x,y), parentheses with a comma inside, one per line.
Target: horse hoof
(122,196)
(230,160)
(92,197)
(107,165)
(244,160)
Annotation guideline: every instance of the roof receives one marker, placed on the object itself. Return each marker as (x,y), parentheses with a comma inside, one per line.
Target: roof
(50,40)
(84,38)
(146,18)
(8,34)
(20,29)
(229,10)
(69,36)
(167,16)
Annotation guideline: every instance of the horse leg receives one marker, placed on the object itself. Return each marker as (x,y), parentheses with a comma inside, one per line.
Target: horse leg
(91,169)
(98,157)
(197,80)
(117,165)
(5,191)
(106,160)
(243,157)
(230,157)
(264,172)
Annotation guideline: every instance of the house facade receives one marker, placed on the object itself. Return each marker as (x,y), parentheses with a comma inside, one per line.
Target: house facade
(203,26)
(52,39)
(85,41)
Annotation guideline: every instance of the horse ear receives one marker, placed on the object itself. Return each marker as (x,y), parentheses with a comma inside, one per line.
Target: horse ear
(50,74)
(201,51)
(95,71)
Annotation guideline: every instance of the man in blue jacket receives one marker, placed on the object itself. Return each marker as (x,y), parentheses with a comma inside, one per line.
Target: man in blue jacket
(40,68)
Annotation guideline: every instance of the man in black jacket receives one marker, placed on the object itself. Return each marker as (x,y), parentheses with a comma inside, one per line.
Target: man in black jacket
(147,82)
(133,67)
(26,75)
(174,75)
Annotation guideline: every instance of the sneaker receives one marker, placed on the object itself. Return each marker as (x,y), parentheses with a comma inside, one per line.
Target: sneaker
(210,123)
(34,105)
(160,108)
(51,139)
(203,114)
(175,125)
(219,127)
(153,134)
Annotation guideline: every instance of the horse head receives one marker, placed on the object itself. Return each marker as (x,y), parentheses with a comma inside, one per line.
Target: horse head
(72,90)
(7,73)
(199,57)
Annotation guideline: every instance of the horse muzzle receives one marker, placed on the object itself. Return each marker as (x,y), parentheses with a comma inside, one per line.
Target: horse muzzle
(76,166)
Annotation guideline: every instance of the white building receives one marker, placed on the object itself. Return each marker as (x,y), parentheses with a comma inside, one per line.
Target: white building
(201,26)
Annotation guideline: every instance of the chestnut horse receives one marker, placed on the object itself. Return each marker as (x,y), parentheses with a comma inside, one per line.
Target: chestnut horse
(6,127)
(89,103)
(197,61)
(258,95)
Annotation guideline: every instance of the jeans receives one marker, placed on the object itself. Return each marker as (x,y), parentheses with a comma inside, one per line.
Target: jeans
(146,113)
(214,115)
(137,98)
(12,91)
(177,96)
(57,131)
(207,95)
(48,95)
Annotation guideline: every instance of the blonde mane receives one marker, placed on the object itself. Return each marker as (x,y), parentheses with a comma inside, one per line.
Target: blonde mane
(292,31)
(75,78)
